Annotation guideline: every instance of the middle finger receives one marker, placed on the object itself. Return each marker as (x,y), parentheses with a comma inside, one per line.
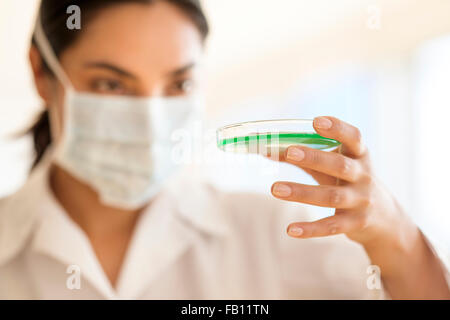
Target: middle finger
(338,197)
(331,163)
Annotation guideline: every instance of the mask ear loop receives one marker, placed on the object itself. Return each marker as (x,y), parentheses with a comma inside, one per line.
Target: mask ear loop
(48,55)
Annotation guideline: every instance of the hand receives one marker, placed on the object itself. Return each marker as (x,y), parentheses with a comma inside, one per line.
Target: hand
(365,211)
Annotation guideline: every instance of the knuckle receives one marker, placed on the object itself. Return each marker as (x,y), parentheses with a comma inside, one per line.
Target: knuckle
(357,135)
(369,201)
(332,228)
(359,142)
(335,197)
(366,153)
(345,167)
(338,127)
(367,179)
(312,231)
(363,221)
(314,157)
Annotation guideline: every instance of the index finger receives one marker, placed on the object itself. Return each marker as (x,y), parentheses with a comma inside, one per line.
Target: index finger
(348,135)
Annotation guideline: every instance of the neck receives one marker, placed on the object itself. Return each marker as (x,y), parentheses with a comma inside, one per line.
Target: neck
(83,205)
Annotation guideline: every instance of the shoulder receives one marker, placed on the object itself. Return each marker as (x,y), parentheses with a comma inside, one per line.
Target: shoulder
(11,212)
(18,213)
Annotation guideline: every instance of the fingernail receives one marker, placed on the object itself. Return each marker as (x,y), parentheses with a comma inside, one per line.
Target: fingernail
(282,190)
(322,123)
(295,154)
(295,231)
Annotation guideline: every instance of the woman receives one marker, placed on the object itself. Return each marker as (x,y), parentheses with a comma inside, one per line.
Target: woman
(98,219)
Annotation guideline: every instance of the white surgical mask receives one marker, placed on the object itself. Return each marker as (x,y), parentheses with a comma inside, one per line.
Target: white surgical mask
(120,146)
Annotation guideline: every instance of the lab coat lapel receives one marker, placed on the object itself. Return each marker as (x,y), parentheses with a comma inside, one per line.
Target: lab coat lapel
(170,226)
(159,240)
(35,215)
(59,237)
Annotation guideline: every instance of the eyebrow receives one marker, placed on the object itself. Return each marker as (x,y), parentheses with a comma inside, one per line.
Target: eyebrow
(182,70)
(110,67)
(125,73)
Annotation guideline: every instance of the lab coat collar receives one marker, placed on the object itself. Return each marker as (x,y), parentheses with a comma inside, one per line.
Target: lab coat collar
(57,236)
(32,217)
(186,210)
(182,211)
(198,202)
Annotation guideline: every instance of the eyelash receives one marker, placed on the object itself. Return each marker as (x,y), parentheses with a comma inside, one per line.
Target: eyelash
(111,84)
(181,85)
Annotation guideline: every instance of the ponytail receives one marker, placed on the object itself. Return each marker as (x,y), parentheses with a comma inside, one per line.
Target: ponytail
(41,136)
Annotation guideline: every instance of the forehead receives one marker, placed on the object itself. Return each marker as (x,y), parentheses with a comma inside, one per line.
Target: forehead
(139,37)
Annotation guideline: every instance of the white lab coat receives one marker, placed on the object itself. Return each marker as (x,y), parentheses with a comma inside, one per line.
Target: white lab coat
(194,242)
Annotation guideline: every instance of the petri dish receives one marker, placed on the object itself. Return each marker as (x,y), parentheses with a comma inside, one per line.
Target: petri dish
(269,136)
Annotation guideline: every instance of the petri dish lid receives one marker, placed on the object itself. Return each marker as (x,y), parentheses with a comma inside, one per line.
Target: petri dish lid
(267,136)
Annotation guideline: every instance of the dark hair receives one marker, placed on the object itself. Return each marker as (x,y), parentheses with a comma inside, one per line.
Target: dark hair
(53,18)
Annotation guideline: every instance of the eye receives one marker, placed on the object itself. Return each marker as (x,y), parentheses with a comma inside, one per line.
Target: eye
(182,87)
(109,86)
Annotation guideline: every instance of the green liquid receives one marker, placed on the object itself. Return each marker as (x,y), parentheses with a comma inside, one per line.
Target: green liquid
(269,142)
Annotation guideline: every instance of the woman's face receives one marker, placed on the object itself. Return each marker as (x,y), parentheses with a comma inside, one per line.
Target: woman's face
(132,49)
